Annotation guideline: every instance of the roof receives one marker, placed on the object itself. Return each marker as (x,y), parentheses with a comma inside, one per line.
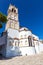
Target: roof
(35,37)
(23,29)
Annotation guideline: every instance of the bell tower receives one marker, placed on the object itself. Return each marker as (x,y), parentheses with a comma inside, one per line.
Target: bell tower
(12,18)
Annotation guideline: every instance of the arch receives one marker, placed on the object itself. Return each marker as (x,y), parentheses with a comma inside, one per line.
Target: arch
(30,40)
(12,9)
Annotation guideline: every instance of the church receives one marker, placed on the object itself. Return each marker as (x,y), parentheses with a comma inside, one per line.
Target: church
(16,40)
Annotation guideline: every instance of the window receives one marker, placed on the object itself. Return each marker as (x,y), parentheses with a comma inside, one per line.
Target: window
(15,43)
(12,9)
(30,41)
(10,43)
(26,41)
(18,43)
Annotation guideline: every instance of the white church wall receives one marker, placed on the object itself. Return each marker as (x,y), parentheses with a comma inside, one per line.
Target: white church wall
(40,47)
(13,33)
(8,52)
(23,42)
(12,51)
(25,34)
(27,50)
(17,51)
(36,46)
(11,48)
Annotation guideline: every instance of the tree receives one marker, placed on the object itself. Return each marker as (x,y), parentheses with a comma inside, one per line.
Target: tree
(3,19)
(0,25)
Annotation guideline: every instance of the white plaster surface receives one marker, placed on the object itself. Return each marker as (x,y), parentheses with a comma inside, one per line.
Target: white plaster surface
(17,51)
(40,47)
(13,33)
(25,34)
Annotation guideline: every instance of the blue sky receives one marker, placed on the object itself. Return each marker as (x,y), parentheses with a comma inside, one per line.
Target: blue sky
(30,14)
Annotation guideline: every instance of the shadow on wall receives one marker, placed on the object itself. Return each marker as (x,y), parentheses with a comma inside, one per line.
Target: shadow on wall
(15,51)
(21,51)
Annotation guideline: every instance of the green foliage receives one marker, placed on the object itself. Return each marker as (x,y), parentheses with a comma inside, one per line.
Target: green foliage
(0,25)
(3,18)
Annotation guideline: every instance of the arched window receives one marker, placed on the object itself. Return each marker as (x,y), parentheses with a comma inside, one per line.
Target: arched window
(16,43)
(30,41)
(12,9)
(10,43)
